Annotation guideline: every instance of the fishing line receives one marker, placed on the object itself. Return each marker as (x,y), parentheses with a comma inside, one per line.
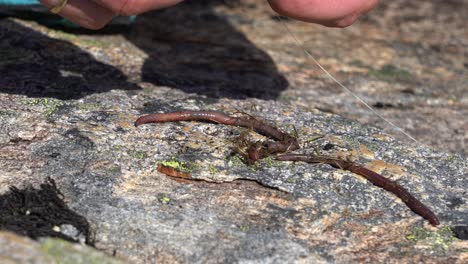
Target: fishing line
(301,46)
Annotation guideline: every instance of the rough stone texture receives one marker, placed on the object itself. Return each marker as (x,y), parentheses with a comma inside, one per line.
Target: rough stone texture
(68,103)
(16,249)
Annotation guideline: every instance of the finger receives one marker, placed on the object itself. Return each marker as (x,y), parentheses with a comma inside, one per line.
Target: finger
(85,13)
(335,13)
(134,7)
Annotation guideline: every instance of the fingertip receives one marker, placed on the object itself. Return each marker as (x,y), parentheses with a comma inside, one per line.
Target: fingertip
(87,14)
(333,13)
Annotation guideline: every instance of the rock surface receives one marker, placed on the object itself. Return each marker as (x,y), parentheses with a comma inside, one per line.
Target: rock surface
(68,103)
(17,249)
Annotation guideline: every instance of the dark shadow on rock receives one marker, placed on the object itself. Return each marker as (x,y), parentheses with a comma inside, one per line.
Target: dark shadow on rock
(189,47)
(38,66)
(37,212)
(193,49)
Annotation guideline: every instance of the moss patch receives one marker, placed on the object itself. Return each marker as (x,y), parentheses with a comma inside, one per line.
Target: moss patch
(65,252)
(390,73)
(438,241)
(213,169)
(51,105)
(178,165)
(139,154)
(164,198)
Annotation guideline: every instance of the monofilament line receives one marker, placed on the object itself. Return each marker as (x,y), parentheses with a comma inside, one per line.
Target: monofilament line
(301,46)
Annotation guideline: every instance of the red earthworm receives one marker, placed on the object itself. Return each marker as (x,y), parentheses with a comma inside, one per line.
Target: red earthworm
(285,141)
(253,153)
(375,178)
(172,172)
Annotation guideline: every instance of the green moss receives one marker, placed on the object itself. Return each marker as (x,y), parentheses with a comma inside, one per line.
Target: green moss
(244,228)
(451,158)
(213,169)
(291,180)
(390,73)
(439,241)
(236,160)
(51,105)
(164,199)
(35,101)
(139,154)
(66,252)
(178,165)
(350,141)
(366,231)
(114,168)
(117,147)
(255,166)
(269,161)
(372,147)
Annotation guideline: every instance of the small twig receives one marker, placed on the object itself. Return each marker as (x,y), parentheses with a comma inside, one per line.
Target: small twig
(375,178)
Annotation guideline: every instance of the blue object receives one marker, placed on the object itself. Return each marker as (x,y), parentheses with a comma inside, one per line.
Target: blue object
(34,10)
(18,2)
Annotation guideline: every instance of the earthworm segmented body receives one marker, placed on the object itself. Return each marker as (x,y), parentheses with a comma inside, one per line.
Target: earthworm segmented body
(375,178)
(286,143)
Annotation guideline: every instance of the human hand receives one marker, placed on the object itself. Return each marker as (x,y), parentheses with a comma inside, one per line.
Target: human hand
(331,13)
(95,14)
